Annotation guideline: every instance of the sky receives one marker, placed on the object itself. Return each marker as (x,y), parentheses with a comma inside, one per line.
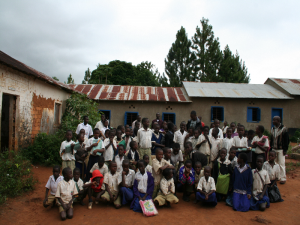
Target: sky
(59,37)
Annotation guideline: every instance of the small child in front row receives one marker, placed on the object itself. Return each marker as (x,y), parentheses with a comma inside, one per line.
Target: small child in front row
(65,193)
(128,176)
(133,155)
(79,186)
(206,188)
(199,172)
(167,189)
(52,186)
(100,165)
(68,159)
(186,180)
(260,200)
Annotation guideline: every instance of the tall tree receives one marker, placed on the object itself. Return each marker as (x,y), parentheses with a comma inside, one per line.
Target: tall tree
(208,53)
(179,61)
(70,80)
(87,76)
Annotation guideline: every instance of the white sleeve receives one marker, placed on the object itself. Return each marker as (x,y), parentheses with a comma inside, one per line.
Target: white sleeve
(78,129)
(210,131)
(62,146)
(221,133)
(48,183)
(180,156)
(91,131)
(199,187)
(267,143)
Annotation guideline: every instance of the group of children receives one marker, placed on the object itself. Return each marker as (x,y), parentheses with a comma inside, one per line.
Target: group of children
(124,168)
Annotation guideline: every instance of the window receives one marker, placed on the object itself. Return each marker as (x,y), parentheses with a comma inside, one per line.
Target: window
(130,117)
(253,114)
(57,108)
(169,117)
(217,112)
(106,113)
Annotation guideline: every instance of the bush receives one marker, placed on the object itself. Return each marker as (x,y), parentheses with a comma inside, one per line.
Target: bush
(267,133)
(296,136)
(15,175)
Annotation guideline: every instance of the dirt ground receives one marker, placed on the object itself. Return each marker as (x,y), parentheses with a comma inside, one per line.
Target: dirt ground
(28,209)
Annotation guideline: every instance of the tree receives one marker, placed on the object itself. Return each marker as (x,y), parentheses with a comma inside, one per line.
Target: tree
(87,76)
(55,78)
(179,61)
(70,80)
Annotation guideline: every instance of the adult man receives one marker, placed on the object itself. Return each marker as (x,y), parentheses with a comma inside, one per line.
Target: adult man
(100,124)
(194,122)
(86,127)
(280,143)
(139,118)
(158,120)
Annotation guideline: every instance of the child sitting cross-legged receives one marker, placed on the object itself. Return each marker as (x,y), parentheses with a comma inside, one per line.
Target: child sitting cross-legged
(199,172)
(167,189)
(127,183)
(101,166)
(206,188)
(79,186)
(186,180)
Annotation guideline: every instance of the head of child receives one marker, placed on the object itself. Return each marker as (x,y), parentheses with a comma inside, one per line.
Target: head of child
(156,128)
(217,123)
(119,134)
(168,173)
(121,150)
(145,122)
(125,165)
(272,156)
(188,166)
(141,166)
(232,125)
(259,162)
(111,135)
(276,121)
(176,148)
(212,125)
(182,126)
(100,161)
(56,171)
(159,154)
(232,153)
(196,133)
(225,123)
(133,145)
(241,131)
(259,130)
(228,133)
(82,131)
(251,134)
(167,153)
(76,174)
(122,128)
(107,133)
(164,123)
(191,131)
(198,167)
(193,115)
(96,133)
(146,160)
(175,128)
(67,174)
(127,132)
(105,123)
(242,159)
(137,124)
(80,138)
(113,167)
(223,153)
(207,172)
(188,146)
(69,135)
(97,179)
(154,124)
(206,130)
(139,118)
(171,127)
(127,126)
(103,117)
(85,120)
(215,132)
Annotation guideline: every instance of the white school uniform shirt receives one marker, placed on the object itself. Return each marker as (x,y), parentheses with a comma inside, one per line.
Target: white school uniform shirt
(65,190)
(144,138)
(103,170)
(148,168)
(224,129)
(87,128)
(109,152)
(233,161)
(240,142)
(52,184)
(129,178)
(273,172)
(176,158)
(257,149)
(79,183)
(204,148)
(258,183)
(206,186)
(100,125)
(66,156)
(179,138)
(194,141)
(227,143)
(119,162)
(156,172)
(142,181)
(220,134)
(164,185)
(216,145)
(90,142)
(112,181)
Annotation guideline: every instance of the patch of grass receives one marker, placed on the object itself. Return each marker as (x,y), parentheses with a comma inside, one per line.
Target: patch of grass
(291,166)
(289,151)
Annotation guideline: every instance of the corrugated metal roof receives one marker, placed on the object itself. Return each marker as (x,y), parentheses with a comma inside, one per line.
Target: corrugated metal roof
(292,86)
(232,90)
(15,64)
(132,93)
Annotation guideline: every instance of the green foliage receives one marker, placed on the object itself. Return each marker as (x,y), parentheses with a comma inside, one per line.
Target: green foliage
(55,78)
(296,137)
(87,76)
(70,79)
(267,133)
(15,175)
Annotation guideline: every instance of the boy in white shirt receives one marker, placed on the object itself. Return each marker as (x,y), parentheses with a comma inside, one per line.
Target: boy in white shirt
(217,125)
(242,142)
(179,135)
(79,186)
(120,158)
(100,165)
(128,177)
(228,141)
(261,145)
(110,147)
(176,156)
(204,142)
(144,136)
(68,158)
(224,128)
(216,145)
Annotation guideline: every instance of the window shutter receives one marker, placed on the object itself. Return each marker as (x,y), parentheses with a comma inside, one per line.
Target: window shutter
(125,120)
(249,114)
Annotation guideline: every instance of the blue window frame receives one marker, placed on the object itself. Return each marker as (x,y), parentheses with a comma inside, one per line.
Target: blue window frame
(130,117)
(217,112)
(166,116)
(253,114)
(107,113)
(276,112)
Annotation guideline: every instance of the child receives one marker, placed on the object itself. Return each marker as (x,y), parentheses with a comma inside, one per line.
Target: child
(176,156)
(273,170)
(120,158)
(148,168)
(127,139)
(105,128)
(112,180)
(110,147)
(144,136)
(136,128)
(68,158)
(234,130)
(222,173)
(186,180)
(118,137)
(167,189)
(180,135)
(80,155)
(142,188)
(195,140)
(232,157)
(95,188)
(260,143)
(169,136)
(199,172)
(79,186)
(242,142)
(224,128)
(228,141)
(101,166)
(128,176)
(242,184)
(188,150)
(133,155)
(188,136)
(216,145)
(206,188)
(52,186)
(205,144)
(65,193)
(122,129)
(217,125)
(158,166)
(156,139)
(107,134)
(260,200)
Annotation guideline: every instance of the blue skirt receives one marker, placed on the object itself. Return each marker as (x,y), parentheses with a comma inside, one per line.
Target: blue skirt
(240,202)
(136,204)
(127,195)
(212,199)
(254,204)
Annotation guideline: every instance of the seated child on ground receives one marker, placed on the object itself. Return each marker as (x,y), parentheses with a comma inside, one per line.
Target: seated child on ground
(120,158)
(206,188)
(128,176)
(101,166)
(133,155)
(199,172)
(186,180)
(68,158)
(65,193)
(112,181)
(260,200)
(142,188)
(167,189)
(273,170)
(95,187)
(52,186)
(79,186)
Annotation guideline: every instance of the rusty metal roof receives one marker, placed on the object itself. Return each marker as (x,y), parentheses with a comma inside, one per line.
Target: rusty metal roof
(132,93)
(17,65)
(232,90)
(292,86)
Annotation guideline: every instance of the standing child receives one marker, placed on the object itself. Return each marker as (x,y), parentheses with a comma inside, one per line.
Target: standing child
(67,156)
(118,137)
(186,180)
(260,200)
(224,128)
(100,165)
(52,186)
(80,155)
(216,145)
(127,139)
(195,140)
(169,136)
(142,188)
(79,186)
(65,193)
(128,176)
(217,125)
(156,139)
(205,144)
(199,172)
(167,189)
(110,147)
(180,135)
(228,141)
(133,155)
(144,136)
(232,157)
(206,188)
(105,128)
(188,136)
(234,130)
(260,143)
(241,142)
(120,158)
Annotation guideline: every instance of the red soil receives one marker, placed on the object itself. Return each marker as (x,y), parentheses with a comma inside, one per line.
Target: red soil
(28,209)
